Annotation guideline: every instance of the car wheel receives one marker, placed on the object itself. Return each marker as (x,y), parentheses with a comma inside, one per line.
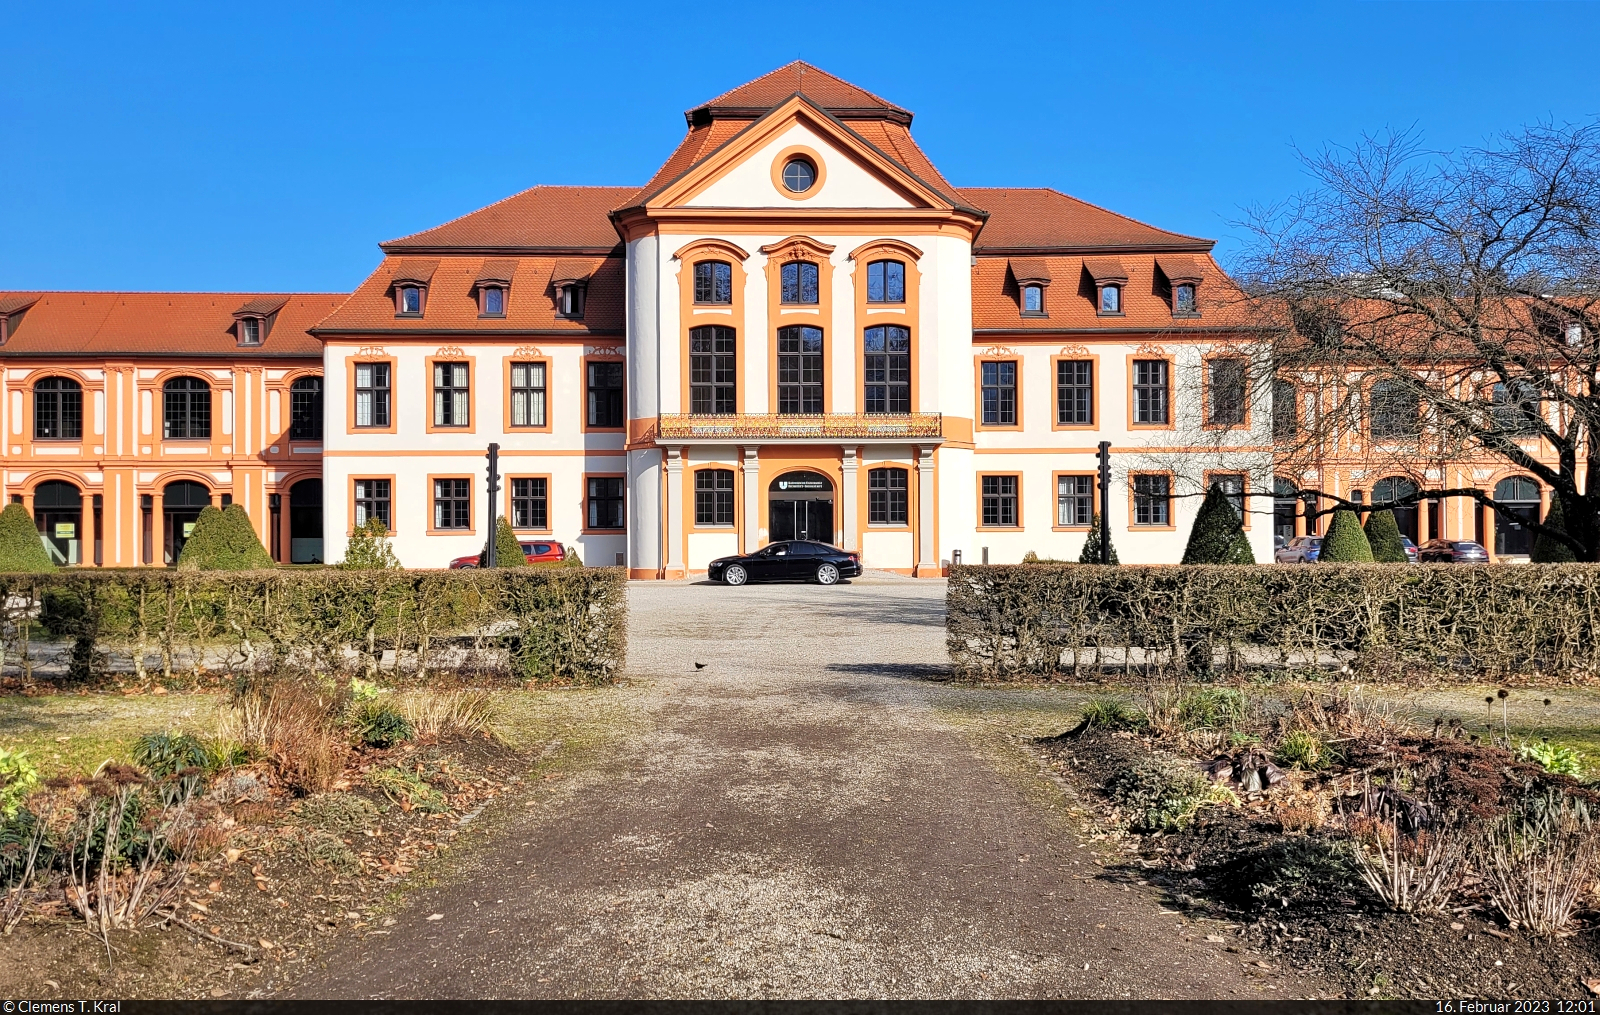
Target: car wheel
(467,567)
(827,574)
(735,575)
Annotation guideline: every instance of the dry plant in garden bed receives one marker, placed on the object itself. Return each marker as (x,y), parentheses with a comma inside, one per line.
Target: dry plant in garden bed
(1394,860)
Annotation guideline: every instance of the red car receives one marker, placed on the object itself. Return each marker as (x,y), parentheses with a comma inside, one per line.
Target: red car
(538,551)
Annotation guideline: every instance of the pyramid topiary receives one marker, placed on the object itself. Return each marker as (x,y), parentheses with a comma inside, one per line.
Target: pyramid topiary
(1383,535)
(369,549)
(1547,549)
(1344,542)
(1218,535)
(21,547)
(1091,546)
(508,550)
(223,541)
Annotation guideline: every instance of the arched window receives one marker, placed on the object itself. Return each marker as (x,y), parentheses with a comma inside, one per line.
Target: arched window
(713,282)
(799,282)
(1111,299)
(57,410)
(1285,496)
(1033,299)
(886,282)
(305,409)
(1183,304)
(58,512)
(1517,513)
(186,409)
(1395,410)
(1285,409)
(887,370)
(1517,408)
(799,371)
(886,497)
(713,377)
(713,497)
(1385,492)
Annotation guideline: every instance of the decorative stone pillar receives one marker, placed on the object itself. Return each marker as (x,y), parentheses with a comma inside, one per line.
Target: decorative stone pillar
(927,550)
(848,504)
(752,499)
(673,509)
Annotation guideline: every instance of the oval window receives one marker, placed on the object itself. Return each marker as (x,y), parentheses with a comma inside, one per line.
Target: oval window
(799,175)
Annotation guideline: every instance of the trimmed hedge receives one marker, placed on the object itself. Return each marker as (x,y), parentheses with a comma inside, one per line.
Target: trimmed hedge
(21,547)
(1218,535)
(1383,538)
(1345,542)
(1008,622)
(528,624)
(224,540)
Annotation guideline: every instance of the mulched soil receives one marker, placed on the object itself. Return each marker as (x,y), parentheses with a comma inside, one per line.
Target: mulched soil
(277,889)
(1290,896)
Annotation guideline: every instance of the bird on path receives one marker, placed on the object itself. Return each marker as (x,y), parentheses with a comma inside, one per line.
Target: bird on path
(699,666)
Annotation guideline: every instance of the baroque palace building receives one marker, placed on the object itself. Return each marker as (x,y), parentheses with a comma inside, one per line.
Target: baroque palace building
(798,328)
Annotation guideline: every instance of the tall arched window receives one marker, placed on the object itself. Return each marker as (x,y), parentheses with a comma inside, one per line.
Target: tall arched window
(799,371)
(713,377)
(57,410)
(186,409)
(305,409)
(1395,410)
(886,369)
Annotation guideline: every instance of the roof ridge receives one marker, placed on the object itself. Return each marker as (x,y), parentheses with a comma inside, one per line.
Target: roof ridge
(166,292)
(503,200)
(1100,208)
(803,65)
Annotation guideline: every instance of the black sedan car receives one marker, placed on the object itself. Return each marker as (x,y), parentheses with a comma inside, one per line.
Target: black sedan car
(1452,551)
(794,560)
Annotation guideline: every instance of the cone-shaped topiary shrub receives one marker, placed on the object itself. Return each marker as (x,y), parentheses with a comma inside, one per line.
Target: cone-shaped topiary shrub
(1091,546)
(1383,536)
(508,550)
(223,541)
(369,549)
(1548,549)
(1344,542)
(21,546)
(1218,535)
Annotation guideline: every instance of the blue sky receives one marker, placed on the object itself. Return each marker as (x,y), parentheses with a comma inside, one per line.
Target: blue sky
(270,147)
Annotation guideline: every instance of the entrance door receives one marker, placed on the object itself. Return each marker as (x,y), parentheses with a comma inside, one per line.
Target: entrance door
(1513,533)
(1285,496)
(1394,488)
(305,522)
(800,506)
(181,504)
(58,511)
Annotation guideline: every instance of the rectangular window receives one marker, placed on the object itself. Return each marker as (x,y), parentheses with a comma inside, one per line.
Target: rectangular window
(452,503)
(886,497)
(799,371)
(1285,410)
(713,380)
(605,395)
(886,282)
(372,394)
(1150,391)
(1232,486)
(1075,392)
(530,503)
(305,409)
(713,282)
(1225,391)
(1074,500)
(1000,393)
(494,301)
(527,394)
(713,497)
(569,301)
(1000,500)
(1152,500)
(605,502)
(887,370)
(372,501)
(799,282)
(451,405)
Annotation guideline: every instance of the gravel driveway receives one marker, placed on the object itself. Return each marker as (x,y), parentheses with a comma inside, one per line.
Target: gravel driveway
(791,820)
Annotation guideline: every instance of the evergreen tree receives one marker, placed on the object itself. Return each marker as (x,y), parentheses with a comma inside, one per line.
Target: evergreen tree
(1218,534)
(1091,546)
(1383,535)
(1547,549)
(508,550)
(369,549)
(1344,542)
(224,541)
(21,546)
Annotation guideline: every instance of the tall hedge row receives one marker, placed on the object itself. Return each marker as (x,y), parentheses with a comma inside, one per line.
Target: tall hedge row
(1369,621)
(527,624)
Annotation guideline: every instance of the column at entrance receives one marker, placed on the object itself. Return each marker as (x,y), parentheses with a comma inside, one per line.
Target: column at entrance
(674,513)
(847,498)
(927,553)
(752,500)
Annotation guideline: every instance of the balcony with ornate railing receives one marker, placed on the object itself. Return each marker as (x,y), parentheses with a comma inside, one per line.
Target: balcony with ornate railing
(692,428)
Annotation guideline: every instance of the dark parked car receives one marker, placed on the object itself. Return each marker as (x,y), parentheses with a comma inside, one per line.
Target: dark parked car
(1411,549)
(1299,550)
(538,551)
(1452,551)
(795,560)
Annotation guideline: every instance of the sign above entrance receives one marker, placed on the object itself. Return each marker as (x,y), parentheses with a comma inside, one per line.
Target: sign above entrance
(802,482)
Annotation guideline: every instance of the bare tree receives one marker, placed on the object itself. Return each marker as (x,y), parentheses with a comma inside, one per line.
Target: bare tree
(1441,307)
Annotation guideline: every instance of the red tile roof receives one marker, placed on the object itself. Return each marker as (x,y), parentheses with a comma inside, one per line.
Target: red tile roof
(453,309)
(1021,218)
(162,324)
(566,219)
(1070,298)
(839,97)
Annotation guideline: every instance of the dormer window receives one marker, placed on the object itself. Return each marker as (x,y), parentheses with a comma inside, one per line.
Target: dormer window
(1032,276)
(799,282)
(253,321)
(569,300)
(1111,299)
(1183,298)
(1183,275)
(1108,276)
(411,299)
(249,331)
(493,286)
(410,284)
(494,301)
(1032,299)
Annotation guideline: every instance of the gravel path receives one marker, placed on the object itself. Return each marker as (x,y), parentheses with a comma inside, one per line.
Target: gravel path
(791,820)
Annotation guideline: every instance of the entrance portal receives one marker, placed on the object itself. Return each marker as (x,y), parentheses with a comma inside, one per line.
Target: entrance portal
(305,522)
(181,503)
(58,510)
(800,506)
